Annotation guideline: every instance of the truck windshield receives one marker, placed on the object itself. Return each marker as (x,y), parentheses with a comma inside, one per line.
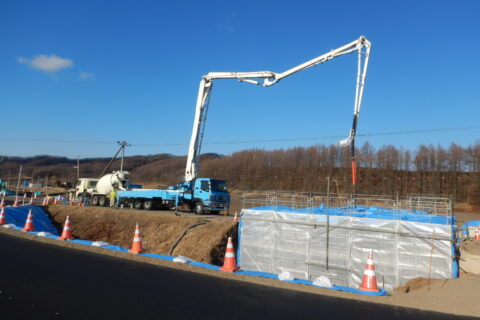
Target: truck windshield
(218,186)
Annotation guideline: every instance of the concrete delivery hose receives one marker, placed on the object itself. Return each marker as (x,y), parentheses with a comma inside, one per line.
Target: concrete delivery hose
(184,233)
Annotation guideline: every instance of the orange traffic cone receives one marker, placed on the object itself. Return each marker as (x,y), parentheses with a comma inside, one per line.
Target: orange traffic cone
(477,234)
(137,241)
(15,204)
(24,198)
(229,263)
(369,281)
(55,200)
(235,218)
(72,202)
(2,204)
(67,230)
(2,217)
(31,200)
(29,223)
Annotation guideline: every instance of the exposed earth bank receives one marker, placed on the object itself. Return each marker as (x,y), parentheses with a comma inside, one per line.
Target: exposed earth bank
(205,242)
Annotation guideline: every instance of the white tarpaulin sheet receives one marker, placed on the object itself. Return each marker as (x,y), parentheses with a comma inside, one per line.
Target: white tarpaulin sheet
(403,248)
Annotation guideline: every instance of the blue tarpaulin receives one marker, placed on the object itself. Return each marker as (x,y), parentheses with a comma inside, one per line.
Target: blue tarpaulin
(367,212)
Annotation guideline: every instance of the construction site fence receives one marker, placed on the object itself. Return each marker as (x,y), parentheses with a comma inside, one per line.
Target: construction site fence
(427,204)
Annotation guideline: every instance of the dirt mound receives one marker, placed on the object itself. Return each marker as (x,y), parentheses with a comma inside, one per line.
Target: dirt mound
(458,296)
(470,246)
(160,231)
(415,284)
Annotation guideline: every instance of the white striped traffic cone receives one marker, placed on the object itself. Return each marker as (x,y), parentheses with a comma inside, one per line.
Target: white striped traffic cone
(369,281)
(2,217)
(477,234)
(15,204)
(67,230)
(137,241)
(29,223)
(229,263)
(2,204)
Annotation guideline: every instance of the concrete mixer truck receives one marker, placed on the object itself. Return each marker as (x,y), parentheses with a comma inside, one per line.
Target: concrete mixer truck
(97,190)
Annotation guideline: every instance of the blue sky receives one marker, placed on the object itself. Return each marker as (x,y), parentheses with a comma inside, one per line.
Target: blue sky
(76,76)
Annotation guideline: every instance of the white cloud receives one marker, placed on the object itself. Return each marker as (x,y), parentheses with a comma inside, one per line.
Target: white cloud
(46,63)
(86,76)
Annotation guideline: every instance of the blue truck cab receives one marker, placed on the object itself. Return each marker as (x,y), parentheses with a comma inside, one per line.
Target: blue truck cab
(201,195)
(205,195)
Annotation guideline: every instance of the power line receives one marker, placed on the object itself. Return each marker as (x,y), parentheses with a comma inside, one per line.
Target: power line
(330,137)
(324,137)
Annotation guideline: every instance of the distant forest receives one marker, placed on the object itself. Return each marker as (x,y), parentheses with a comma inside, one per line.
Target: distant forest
(388,170)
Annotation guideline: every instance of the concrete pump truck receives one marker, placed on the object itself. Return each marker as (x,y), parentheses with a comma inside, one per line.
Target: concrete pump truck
(211,195)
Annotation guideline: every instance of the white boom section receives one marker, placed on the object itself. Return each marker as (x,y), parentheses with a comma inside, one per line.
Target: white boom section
(270,78)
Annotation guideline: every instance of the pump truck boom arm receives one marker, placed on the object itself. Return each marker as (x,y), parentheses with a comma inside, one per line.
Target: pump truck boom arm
(201,113)
(361,45)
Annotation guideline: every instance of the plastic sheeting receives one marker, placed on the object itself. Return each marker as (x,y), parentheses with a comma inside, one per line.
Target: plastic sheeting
(41,220)
(405,245)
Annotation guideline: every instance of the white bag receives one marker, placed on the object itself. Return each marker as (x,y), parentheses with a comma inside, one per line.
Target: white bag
(100,243)
(181,259)
(323,281)
(285,275)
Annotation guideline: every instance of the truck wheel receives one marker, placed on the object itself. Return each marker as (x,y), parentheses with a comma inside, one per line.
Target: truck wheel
(138,204)
(102,201)
(148,204)
(95,200)
(198,208)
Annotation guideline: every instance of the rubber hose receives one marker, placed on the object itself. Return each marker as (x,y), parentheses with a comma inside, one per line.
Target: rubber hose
(184,233)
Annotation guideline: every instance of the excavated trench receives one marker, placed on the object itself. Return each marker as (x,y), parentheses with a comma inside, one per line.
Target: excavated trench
(205,241)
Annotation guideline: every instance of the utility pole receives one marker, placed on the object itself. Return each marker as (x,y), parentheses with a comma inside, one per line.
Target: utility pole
(19,177)
(122,144)
(78,168)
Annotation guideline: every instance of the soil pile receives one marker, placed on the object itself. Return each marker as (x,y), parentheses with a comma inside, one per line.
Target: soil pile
(204,243)
(470,256)
(458,296)
(472,247)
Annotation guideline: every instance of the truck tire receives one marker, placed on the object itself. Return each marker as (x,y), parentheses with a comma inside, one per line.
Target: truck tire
(138,204)
(95,200)
(198,208)
(101,201)
(148,204)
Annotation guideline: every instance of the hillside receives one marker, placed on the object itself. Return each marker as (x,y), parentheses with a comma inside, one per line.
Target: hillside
(428,170)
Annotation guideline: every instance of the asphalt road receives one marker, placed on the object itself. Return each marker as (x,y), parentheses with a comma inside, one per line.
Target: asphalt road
(44,281)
